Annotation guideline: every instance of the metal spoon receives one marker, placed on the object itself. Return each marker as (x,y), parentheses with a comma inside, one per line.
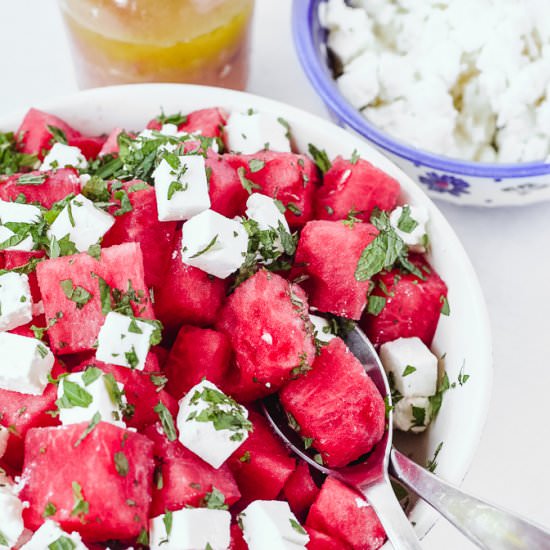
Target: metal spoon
(490,527)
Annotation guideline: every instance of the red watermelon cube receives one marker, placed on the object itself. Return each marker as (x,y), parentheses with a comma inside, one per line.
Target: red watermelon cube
(76,329)
(100,485)
(57,185)
(227,194)
(267,323)
(300,490)
(34,136)
(197,353)
(141,225)
(288,177)
(328,253)
(207,122)
(320,541)
(337,405)
(413,305)
(261,465)
(343,514)
(182,478)
(187,295)
(19,412)
(237,539)
(357,187)
(89,145)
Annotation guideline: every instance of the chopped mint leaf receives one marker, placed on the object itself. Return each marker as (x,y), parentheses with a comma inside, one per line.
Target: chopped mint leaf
(58,135)
(121,463)
(462,377)
(90,375)
(445,309)
(248,185)
(81,507)
(432,463)
(354,157)
(406,223)
(96,419)
(297,527)
(419,416)
(132,358)
(62,543)
(176,118)
(375,304)
(79,295)
(125,204)
(166,420)
(320,158)
(73,396)
(31,179)
(49,510)
(94,251)
(208,247)
(255,165)
(409,369)
(214,500)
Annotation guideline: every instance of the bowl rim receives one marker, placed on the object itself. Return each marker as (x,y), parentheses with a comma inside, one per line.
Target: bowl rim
(93,105)
(304,14)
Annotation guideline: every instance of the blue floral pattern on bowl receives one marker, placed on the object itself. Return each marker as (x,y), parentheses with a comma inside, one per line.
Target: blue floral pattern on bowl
(443,183)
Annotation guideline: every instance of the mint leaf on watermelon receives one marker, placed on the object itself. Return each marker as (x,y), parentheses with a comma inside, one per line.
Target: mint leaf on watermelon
(375,304)
(255,165)
(166,420)
(58,135)
(247,184)
(96,419)
(62,543)
(121,463)
(49,510)
(320,158)
(125,204)
(81,506)
(445,309)
(214,500)
(79,295)
(176,118)
(31,179)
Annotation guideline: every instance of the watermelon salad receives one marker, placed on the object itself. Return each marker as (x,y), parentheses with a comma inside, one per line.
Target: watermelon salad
(157,283)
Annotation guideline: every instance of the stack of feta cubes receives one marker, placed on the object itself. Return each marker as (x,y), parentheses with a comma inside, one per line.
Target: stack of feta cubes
(463,78)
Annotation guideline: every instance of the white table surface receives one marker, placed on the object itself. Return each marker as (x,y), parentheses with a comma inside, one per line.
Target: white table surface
(508,247)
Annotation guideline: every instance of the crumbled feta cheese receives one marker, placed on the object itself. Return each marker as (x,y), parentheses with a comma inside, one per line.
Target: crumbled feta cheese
(97,393)
(321,328)
(412,414)
(250,132)
(412,366)
(214,243)
(4,436)
(17,213)
(409,223)
(50,532)
(124,341)
(15,300)
(61,155)
(265,212)
(26,363)
(181,187)
(270,525)
(211,424)
(191,529)
(82,222)
(11,512)
(439,79)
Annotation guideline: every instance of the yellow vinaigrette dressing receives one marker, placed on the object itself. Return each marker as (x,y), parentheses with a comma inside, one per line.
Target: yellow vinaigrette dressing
(125,41)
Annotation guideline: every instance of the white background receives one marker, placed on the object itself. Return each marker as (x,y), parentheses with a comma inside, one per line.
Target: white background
(510,249)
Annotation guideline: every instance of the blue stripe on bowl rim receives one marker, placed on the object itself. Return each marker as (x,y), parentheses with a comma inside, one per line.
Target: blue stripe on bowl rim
(307,32)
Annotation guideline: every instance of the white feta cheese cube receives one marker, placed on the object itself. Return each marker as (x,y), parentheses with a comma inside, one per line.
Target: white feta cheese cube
(250,132)
(17,213)
(214,243)
(411,365)
(4,436)
(124,341)
(26,363)
(50,532)
(270,525)
(409,223)
(94,395)
(61,155)
(211,424)
(191,529)
(181,187)
(83,222)
(321,328)
(412,414)
(11,513)
(15,300)
(265,212)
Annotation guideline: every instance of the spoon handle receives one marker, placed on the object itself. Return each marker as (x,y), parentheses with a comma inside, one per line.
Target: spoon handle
(489,527)
(398,528)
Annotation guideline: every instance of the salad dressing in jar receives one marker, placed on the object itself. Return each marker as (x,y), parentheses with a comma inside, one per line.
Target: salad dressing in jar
(128,41)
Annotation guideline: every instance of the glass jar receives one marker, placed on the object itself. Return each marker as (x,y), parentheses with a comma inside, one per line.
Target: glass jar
(126,41)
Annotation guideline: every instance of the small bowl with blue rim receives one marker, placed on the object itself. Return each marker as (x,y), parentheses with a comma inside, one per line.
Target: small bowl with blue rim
(458,181)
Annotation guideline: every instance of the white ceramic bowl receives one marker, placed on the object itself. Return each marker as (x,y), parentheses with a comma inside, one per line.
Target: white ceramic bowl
(464,336)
